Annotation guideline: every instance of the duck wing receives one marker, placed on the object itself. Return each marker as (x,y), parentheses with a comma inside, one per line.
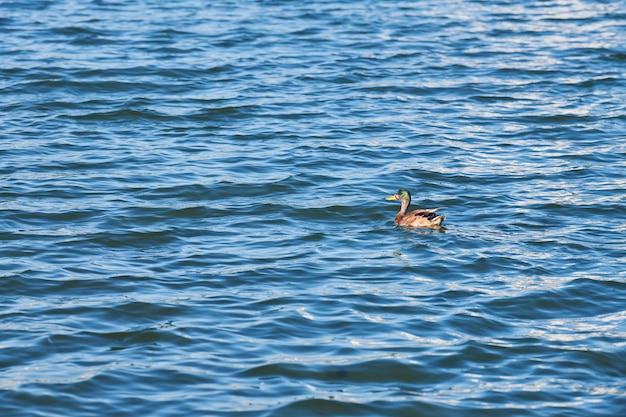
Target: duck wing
(426,213)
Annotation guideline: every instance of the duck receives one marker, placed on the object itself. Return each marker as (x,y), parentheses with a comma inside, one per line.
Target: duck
(416,218)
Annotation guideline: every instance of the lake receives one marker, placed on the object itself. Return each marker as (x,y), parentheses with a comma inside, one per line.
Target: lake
(193,217)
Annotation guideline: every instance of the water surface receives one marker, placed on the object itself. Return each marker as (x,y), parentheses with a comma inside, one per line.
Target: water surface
(192,213)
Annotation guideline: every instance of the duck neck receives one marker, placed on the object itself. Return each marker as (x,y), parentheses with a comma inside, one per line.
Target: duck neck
(405,206)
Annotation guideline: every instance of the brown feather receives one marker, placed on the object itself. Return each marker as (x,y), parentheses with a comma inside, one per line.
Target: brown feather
(419,218)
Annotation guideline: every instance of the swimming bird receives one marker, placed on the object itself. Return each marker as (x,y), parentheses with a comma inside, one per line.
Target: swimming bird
(416,218)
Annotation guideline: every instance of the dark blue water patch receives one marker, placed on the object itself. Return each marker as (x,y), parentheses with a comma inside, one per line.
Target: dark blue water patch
(83,36)
(573,301)
(40,5)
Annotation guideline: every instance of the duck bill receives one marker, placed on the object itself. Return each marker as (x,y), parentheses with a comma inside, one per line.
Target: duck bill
(391,197)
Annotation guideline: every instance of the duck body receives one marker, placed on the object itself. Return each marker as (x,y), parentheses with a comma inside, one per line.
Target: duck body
(416,218)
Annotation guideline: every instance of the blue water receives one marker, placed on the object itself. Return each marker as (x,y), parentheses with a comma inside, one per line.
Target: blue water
(193,218)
